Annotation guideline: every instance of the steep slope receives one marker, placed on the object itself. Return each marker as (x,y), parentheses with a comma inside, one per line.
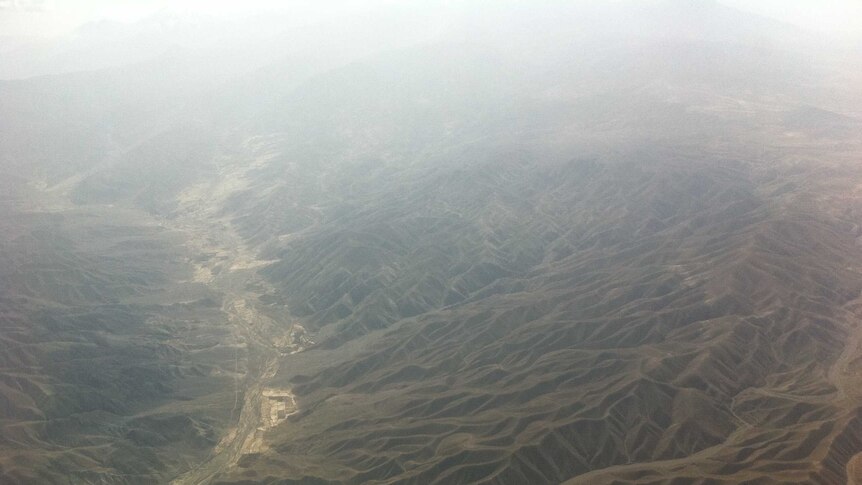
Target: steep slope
(706,335)
(665,288)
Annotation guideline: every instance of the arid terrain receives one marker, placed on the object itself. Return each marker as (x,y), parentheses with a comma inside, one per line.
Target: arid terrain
(522,254)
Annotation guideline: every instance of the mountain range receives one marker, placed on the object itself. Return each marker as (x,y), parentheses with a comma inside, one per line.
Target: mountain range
(487,243)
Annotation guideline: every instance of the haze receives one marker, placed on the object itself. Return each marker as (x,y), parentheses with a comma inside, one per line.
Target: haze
(51,17)
(451,242)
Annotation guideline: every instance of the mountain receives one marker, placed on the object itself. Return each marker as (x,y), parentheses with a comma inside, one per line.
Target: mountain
(499,244)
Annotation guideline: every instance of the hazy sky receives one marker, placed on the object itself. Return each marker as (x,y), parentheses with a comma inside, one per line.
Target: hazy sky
(45,17)
(840,17)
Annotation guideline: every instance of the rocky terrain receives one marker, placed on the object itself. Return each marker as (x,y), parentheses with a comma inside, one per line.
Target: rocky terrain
(524,253)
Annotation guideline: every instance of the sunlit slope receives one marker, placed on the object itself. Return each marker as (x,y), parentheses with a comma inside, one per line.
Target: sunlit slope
(677,314)
(659,275)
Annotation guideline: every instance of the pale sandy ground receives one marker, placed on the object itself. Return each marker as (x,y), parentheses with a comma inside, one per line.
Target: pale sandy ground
(854,470)
(228,266)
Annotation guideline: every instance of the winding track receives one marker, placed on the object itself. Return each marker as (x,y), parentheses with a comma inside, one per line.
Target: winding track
(261,354)
(231,272)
